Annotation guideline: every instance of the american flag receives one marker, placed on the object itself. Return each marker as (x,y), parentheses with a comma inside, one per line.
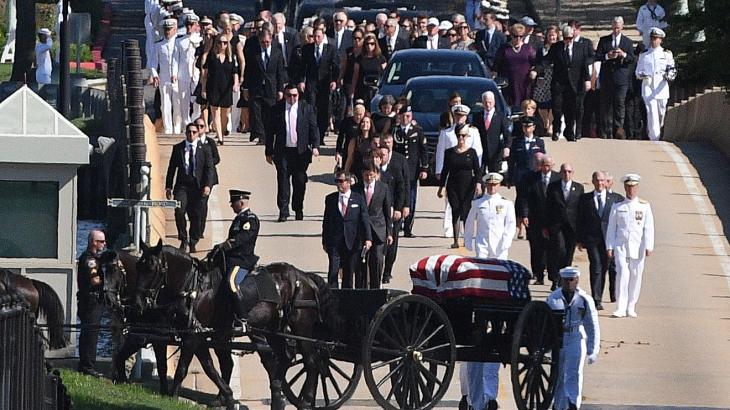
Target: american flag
(453,276)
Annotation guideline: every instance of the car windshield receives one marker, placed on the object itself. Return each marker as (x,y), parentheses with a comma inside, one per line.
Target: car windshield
(400,72)
(435,99)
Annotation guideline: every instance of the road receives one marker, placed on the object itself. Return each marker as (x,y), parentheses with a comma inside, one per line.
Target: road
(675,355)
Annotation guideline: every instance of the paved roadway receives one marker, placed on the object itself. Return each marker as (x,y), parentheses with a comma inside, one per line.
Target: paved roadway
(675,355)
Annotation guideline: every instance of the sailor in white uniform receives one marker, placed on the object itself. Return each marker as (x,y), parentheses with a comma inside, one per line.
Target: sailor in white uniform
(581,337)
(187,74)
(43,63)
(629,240)
(655,68)
(163,74)
(650,15)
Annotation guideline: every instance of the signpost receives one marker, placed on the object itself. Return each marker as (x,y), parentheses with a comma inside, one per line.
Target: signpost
(138,204)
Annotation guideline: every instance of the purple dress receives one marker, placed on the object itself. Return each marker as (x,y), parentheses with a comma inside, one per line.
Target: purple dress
(515,68)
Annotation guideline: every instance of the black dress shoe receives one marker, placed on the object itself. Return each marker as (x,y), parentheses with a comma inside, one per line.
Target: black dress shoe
(183,246)
(386,279)
(492,405)
(408,234)
(192,246)
(463,403)
(92,373)
(599,306)
(282,218)
(540,282)
(299,216)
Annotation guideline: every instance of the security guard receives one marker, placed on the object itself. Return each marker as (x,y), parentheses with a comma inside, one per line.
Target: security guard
(90,301)
(163,75)
(629,240)
(655,69)
(581,337)
(410,142)
(494,217)
(239,247)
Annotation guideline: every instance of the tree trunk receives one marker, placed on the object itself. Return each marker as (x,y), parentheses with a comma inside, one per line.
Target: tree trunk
(24,42)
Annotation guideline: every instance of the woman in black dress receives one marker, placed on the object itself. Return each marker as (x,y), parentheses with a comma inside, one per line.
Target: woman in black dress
(370,64)
(460,175)
(359,148)
(348,65)
(219,79)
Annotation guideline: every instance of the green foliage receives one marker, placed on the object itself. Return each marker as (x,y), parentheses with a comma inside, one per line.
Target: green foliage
(89,393)
(89,126)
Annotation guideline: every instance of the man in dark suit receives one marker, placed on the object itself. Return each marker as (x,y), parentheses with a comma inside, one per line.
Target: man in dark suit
(211,146)
(593,211)
(522,152)
(616,52)
(488,41)
(345,230)
(318,76)
(494,132)
(340,36)
(295,141)
(393,40)
(263,84)
(284,37)
(380,205)
(394,172)
(432,40)
(531,210)
(570,83)
(191,170)
(590,100)
(411,143)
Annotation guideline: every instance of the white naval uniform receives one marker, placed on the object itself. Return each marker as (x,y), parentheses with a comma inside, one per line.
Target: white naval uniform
(43,63)
(186,78)
(645,21)
(630,234)
(163,57)
(654,88)
(494,217)
(447,139)
(581,337)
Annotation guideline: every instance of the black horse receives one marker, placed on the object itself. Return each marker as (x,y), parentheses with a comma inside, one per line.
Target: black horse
(282,299)
(42,300)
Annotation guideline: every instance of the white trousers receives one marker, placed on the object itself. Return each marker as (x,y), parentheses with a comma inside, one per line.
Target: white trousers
(655,110)
(570,372)
(235,113)
(628,276)
(464,380)
(483,383)
(170,107)
(183,97)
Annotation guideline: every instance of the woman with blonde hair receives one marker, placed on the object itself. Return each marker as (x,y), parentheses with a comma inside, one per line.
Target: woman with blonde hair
(219,80)
(516,63)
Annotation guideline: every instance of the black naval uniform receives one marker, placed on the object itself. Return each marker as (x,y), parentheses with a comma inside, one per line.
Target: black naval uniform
(411,143)
(239,252)
(90,309)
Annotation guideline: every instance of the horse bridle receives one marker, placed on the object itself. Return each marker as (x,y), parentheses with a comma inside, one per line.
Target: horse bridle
(160,281)
(106,290)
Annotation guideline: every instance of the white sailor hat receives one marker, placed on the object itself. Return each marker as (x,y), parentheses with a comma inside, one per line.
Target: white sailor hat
(433,21)
(169,23)
(44,31)
(236,17)
(445,25)
(492,178)
(569,272)
(192,18)
(631,179)
(206,21)
(460,109)
(657,32)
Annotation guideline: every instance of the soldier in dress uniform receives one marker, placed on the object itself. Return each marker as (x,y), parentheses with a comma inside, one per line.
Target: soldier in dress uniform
(581,337)
(411,143)
(188,74)
(163,75)
(629,240)
(655,69)
(238,249)
(90,301)
(492,221)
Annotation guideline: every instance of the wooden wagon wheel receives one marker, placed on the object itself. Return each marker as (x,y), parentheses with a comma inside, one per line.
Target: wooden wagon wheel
(336,383)
(409,353)
(535,357)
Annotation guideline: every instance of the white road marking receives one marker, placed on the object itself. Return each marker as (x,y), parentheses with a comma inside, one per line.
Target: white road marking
(717,239)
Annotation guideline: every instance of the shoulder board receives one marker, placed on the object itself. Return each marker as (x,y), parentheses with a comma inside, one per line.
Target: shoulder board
(668,51)
(642,201)
(160,41)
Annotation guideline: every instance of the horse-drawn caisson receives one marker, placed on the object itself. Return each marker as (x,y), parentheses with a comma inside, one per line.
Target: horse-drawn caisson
(317,343)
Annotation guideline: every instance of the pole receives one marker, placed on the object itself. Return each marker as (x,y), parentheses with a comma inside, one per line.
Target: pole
(64,90)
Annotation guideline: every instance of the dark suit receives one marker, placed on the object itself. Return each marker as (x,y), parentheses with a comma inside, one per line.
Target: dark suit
(396,176)
(291,41)
(562,216)
(521,158)
(532,204)
(317,76)
(292,162)
(615,78)
(412,145)
(590,101)
(343,236)
(488,46)
(422,42)
(263,81)
(345,42)
(568,86)
(379,211)
(401,43)
(188,188)
(494,140)
(211,146)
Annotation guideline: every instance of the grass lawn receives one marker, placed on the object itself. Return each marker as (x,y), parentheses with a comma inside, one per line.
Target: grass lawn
(7,68)
(89,393)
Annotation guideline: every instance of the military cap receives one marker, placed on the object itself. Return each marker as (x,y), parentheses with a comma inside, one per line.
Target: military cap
(237,195)
(433,21)
(404,109)
(169,23)
(44,31)
(528,121)
(445,25)
(492,178)
(460,109)
(235,17)
(569,272)
(631,179)
(192,18)
(657,32)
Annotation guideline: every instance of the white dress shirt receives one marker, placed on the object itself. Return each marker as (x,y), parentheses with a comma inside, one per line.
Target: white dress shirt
(291,116)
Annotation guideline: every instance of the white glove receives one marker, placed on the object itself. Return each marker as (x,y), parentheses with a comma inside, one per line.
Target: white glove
(592,358)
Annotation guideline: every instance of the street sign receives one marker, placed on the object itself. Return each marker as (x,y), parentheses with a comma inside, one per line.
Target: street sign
(142,203)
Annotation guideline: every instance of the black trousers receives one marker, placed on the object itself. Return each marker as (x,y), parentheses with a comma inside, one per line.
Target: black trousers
(391,251)
(591,113)
(203,213)
(560,251)
(613,108)
(190,198)
(319,97)
(90,307)
(538,252)
(370,273)
(569,104)
(345,259)
(635,122)
(262,126)
(291,166)
(598,266)
(408,223)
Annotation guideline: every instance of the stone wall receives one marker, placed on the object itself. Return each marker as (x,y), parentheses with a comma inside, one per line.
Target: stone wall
(703,118)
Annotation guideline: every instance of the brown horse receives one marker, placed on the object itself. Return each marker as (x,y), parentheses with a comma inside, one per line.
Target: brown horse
(43,301)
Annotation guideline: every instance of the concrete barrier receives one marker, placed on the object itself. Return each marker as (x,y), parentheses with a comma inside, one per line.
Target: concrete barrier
(157,183)
(703,118)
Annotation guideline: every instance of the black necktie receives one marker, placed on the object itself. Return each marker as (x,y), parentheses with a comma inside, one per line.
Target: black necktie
(601,205)
(191,161)
(317,55)
(266,59)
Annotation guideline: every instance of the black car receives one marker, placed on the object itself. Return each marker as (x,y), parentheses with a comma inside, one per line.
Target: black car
(407,64)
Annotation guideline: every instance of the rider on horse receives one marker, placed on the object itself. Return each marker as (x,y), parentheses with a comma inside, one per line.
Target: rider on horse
(239,248)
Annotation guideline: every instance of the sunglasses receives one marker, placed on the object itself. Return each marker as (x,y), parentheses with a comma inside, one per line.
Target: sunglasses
(452,34)
(292,95)
(463,135)
(357,38)
(369,44)
(342,181)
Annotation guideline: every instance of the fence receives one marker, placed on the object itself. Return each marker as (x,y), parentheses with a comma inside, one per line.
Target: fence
(25,383)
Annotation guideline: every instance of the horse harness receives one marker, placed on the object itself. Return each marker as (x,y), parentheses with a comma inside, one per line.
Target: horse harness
(189,290)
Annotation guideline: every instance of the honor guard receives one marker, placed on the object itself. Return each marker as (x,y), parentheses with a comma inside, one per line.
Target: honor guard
(629,240)
(90,301)
(164,74)
(581,337)
(655,69)
(410,142)
(239,247)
